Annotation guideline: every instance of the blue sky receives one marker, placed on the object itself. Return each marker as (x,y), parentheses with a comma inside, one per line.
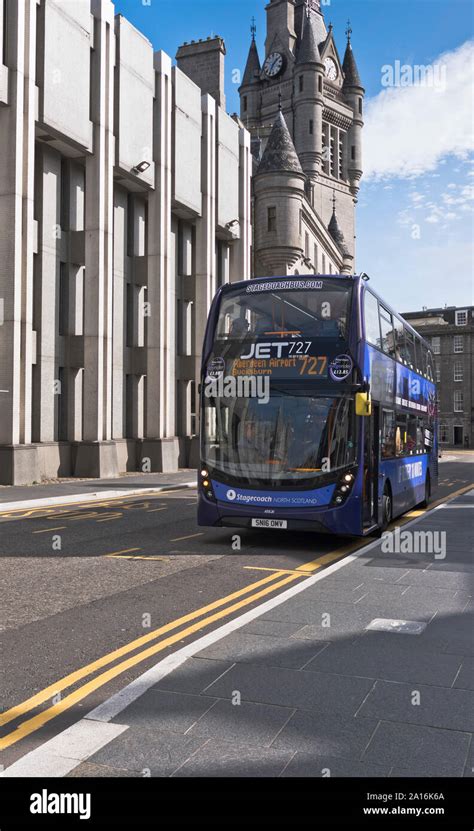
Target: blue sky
(415,211)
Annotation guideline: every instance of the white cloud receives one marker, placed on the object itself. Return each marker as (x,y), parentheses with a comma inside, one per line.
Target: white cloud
(410,130)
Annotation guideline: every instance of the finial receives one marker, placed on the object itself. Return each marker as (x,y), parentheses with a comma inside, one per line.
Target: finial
(348,31)
(330,28)
(334,201)
(279,100)
(253,28)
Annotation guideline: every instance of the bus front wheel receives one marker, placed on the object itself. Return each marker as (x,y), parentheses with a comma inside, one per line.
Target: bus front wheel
(426,500)
(387,510)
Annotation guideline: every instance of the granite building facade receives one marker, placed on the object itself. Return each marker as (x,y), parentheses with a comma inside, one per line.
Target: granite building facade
(124,202)
(450,332)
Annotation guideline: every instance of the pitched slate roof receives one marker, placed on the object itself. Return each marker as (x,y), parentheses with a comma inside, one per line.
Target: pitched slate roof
(308,51)
(349,67)
(280,153)
(337,234)
(253,68)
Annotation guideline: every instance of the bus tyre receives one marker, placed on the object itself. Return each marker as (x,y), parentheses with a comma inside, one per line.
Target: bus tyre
(426,500)
(387,509)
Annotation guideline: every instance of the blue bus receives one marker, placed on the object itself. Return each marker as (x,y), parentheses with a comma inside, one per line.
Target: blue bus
(317,408)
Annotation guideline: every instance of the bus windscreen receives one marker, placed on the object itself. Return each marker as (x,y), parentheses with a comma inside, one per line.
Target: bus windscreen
(296,436)
(267,310)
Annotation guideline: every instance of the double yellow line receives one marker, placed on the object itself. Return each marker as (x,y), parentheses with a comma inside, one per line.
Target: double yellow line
(208,615)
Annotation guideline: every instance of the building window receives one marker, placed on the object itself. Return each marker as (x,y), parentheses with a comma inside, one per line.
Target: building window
(458,371)
(315,258)
(326,151)
(436,345)
(320,84)
(245,103)
(306,245)
(333,152)
(437,375)
(324,264)
(360,106)
(461,317)
(340,154)
(353,152)
(272,219)
(301,223)
(311,127)
(443,433)
(458,344)
(301,83)
(458,401)
(330,268)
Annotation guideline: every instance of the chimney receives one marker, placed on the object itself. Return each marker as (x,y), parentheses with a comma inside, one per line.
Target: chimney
(203,62)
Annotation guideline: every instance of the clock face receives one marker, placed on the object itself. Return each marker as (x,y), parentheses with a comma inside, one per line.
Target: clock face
(273,65)
(331,69)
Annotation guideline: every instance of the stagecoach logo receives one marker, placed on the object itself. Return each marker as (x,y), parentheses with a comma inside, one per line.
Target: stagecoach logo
(279,285)
(340,367)
(246,498)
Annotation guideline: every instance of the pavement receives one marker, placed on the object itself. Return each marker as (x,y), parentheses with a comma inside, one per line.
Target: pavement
(364,669)
(64,491)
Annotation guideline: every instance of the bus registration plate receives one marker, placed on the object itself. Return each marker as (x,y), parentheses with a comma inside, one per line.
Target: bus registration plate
(269,523)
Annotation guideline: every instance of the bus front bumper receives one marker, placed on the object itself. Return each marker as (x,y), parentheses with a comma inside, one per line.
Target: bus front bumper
(343,519)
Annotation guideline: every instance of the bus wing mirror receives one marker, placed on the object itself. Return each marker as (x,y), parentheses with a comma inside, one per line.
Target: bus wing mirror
(363,404)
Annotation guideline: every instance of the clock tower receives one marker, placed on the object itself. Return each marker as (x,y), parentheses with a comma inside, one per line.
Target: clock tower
(302,101)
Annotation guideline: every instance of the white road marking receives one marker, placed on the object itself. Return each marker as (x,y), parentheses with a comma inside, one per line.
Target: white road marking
(61,754)
(57,757)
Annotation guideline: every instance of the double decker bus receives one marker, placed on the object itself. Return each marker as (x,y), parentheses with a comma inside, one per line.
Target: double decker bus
(317,408)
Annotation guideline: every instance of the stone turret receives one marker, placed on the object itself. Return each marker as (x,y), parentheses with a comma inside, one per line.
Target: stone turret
(338,238)
(353,93)
(308,100)
(279,188)
(250,88)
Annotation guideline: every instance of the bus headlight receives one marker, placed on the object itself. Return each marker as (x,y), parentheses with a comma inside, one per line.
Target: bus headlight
(343,488)
(206,484)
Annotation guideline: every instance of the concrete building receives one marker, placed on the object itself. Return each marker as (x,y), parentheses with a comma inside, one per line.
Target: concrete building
(303,107)
(124,203)
(450,331)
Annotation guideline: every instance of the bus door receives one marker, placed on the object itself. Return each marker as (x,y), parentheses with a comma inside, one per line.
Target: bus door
(371,467)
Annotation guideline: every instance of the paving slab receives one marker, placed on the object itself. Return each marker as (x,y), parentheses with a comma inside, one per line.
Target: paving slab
(246,722)
(417,750)
(264,649)
(147,750)
(217,758)
(390,661)
(288,688)
(176,712)
(310,765)
(452,709)
(325,734)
